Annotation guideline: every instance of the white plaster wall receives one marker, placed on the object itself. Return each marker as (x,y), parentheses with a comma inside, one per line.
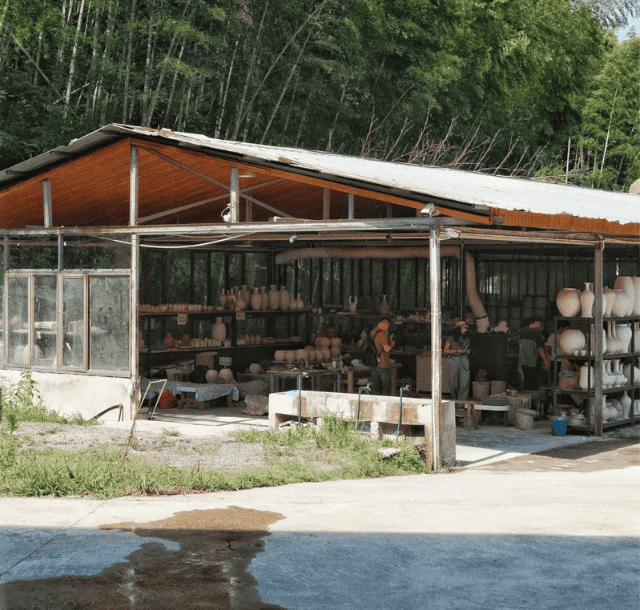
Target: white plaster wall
(83,395)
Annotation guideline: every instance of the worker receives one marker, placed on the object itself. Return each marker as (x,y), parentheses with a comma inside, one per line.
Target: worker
(532,353)
(381,374)
(457,348)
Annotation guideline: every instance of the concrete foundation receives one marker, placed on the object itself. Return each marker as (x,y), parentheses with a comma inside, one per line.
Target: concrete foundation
(382,411)
(83,395)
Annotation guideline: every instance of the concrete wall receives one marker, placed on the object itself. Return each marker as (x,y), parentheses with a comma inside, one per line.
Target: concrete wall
(380,410)
(79,394)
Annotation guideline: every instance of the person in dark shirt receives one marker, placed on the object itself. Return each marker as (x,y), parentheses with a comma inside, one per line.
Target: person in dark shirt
(532,353)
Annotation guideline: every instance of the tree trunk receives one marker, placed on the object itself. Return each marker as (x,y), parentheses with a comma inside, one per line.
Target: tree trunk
(127,73)
(74,54)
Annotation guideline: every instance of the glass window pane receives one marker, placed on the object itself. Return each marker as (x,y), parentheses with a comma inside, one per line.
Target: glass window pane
(18,317)
(109,323)
(2,270)
(73,322)
(44,320)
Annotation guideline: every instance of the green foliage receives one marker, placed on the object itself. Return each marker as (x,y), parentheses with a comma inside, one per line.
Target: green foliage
(21,402)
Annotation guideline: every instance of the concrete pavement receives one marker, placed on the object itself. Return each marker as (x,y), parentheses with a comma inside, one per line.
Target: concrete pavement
(554,536)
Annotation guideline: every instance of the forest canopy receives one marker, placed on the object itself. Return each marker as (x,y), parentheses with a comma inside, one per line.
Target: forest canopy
(517,87)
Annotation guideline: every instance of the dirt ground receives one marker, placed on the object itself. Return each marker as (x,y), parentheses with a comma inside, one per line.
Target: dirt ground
(217,546)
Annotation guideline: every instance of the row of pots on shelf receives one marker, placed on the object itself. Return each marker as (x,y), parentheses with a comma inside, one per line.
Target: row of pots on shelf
(616,339)
(620,301)
(241,298)
(613,376)
(612,410)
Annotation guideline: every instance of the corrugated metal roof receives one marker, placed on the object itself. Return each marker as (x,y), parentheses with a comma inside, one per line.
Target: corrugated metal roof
(474,189)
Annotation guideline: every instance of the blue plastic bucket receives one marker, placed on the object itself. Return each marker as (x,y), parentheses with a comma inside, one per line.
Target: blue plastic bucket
(559,427)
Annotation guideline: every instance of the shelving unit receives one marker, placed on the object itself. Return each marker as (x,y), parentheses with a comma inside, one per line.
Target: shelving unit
(631,357)
(154,327)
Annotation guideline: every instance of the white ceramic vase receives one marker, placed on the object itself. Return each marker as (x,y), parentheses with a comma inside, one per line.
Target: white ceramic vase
(610,298)
(568,302)
(625,403)
(623,305)
(625,282)
(587,299)
(612,340)
(586,376)
(571,340)
(624,334)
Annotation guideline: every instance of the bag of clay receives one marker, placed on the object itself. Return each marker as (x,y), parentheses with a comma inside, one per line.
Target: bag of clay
(167,400)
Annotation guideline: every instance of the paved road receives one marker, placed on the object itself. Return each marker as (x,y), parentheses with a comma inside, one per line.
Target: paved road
(559,530)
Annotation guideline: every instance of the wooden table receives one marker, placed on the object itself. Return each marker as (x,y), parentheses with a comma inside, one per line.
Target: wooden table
(365,370)
(277,375)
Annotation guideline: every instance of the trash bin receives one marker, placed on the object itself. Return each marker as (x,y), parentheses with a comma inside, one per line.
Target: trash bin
(558,426)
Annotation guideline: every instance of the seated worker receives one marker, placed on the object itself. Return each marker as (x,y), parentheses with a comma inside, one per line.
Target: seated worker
(458,348)
(381,374)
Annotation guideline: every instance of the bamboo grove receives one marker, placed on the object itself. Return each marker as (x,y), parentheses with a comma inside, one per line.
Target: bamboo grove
(517,87)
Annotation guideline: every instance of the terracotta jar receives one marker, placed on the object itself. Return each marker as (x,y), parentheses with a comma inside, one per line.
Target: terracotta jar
(285,298)
(274,298)
(265,297)
(211,375)
(226,375)
(256,300)
(219,330)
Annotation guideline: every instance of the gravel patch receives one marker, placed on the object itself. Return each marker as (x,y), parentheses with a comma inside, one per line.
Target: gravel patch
(171,449)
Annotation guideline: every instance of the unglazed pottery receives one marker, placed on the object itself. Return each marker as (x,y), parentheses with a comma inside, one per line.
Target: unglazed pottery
(610,297)
(624,334)
(586,376)
(568,302)
(226,375)
(623,305)
(285,298)
(625,403)
(571,340)
(274,298)
(211,375)
(219,330)
(256,299)
(587,299)
(636,301)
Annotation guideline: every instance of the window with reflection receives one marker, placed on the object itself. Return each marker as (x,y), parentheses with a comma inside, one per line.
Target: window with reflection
(73,325)
(45,329)
(18,321)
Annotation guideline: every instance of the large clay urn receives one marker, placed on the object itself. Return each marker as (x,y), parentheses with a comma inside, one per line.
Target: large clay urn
(568,302)
(169,341)
(245,293)
(219,330)
(623,305)
(226,375)
(301,354)
(274,298)
(285,298)
(587,299)
(335,351)
(256,300)
(625,282)
(571,340)
(624,334)
(211,375)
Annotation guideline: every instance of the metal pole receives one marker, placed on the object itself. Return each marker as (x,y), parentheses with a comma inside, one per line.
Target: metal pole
(351,206)
(133,187)
(234,195)
(6,253)
(436,351)
(133,323)
(599,343)
(60,253)
(46,200)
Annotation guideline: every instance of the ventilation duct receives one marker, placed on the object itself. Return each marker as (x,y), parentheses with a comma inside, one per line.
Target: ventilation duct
(368,252)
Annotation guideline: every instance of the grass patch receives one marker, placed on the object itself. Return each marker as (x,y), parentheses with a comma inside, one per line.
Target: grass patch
(334,451)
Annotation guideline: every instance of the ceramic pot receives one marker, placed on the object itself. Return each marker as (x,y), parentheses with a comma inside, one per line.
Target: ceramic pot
(256,300)
(265,297)
(586,375)
(624,334)
(571,340)
(274,298)
(623,305)
(636,407)
(568,381)
(290,356)
(299,303)
(322,342)
(223,299)
(326,354)
(219,330)
(616,371)
(568,302)
(612,339)
(384,308)
(255,369)
(636,301)
(279,355)
(353,304)
(285,298)
(335,351)
(211,375)
(625,282)
(587,299)
(610,297)
(608,379)
(226,375)
(169,341)
(301,354)
(625,403)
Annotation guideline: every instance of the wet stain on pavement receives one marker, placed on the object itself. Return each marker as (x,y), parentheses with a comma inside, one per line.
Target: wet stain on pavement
(210,569)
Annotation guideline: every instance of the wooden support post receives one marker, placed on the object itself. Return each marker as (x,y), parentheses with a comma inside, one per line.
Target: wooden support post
(326,204)
(436,351)
(234,195)
(248,211)
(351,206)
(599,346)
(133,324)
(6,254)
(133,187)
(46,200)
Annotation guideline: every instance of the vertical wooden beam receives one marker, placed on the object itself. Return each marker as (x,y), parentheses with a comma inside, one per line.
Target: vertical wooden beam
(326,204)
(133,187)
(436,351)
(248,211)
(46,201)
(599,346)
(234,195)
(351,206)
(133,324)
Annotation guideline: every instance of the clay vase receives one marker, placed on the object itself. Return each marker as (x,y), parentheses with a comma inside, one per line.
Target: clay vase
(384,308)
(211,375)
(625,282)
(568,380)
(226,375)
(299,303)
(624,334)
(169,341)
(274,298)
(279,355)
(636,301)
(335,351)
(285,298)
(610,296)
(219,330)
(586,375)
(608,379)
(353,304)
(616,371)
(612,340)
(592,339)
(265,297)
(625,403)
(587,299)
(568,302)
(245,293)
(636,338)
(223,299)
(256,300)
(571,340)
(290,355)
(623,305)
